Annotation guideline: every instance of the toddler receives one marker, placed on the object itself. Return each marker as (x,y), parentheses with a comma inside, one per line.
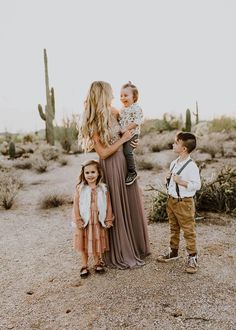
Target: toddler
(131,117)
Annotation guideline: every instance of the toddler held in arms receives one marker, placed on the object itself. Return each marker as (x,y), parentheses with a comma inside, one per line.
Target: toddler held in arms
(131,117)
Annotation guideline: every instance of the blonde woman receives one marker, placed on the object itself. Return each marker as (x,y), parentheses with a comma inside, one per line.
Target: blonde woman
(100,130)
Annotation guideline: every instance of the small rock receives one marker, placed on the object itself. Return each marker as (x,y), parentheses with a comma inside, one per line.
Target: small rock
(30,292)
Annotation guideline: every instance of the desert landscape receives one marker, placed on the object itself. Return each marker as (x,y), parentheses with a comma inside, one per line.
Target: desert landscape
(40,285)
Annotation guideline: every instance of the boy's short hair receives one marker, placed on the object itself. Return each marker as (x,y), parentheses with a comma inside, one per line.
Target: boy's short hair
(134,90)
(188,139)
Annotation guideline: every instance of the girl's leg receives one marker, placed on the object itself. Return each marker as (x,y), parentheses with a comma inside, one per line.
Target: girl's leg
(97,258)
(99,268)
(84,256)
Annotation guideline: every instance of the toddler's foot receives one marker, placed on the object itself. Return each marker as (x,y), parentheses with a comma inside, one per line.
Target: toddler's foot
(170,256)
(191,264)
(131,177)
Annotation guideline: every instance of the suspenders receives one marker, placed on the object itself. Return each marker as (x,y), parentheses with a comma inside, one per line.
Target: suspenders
(179,171)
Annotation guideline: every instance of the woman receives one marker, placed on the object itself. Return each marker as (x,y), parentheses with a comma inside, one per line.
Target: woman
(129,242)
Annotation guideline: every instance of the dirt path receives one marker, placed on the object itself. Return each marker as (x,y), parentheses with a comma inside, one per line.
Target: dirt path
(40,287)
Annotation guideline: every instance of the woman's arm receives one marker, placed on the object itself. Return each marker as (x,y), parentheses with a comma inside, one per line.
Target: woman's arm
(105,152)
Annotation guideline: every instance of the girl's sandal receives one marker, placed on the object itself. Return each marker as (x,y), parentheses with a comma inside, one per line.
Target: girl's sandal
(84,272)
(99,268)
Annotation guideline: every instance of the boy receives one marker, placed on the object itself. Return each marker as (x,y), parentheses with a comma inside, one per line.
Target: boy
(131,117)
(183,181)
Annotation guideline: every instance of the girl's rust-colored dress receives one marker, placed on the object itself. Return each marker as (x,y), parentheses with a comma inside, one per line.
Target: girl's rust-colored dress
(92,239)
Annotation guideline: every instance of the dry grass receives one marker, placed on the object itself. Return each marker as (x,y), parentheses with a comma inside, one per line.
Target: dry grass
(23,164)
(54,200)
(39,164)
(49,152)
(62,161)
(9,186)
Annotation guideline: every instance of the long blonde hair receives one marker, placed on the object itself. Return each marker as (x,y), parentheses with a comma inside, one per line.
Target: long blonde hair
(96,115)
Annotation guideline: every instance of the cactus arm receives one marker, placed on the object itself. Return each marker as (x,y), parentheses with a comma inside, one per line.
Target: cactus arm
(42,114)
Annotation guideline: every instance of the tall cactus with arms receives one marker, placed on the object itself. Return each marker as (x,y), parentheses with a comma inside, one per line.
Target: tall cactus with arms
(49,113)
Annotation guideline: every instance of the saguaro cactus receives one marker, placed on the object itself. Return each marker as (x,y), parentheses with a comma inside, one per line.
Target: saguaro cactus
(196,114)
(49,114)
(188,123)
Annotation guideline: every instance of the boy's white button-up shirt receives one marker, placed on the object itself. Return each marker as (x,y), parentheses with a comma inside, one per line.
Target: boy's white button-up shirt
(190,174)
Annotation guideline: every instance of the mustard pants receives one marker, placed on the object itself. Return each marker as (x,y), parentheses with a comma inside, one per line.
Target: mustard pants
(181,216)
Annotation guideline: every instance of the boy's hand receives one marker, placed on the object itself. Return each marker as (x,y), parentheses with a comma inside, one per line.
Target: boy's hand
(167,178)
(177,178)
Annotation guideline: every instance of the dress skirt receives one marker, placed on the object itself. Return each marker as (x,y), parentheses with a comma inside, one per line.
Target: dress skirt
(128,238)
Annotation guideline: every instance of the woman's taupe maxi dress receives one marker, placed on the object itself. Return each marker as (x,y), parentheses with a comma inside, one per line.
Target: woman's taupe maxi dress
(128,238)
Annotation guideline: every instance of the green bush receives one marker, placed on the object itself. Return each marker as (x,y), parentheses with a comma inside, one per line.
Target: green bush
(67,134)
(223,124)
(158,208)
(217,195)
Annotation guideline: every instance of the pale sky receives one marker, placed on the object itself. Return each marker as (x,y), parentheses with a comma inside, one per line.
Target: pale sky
(177,52)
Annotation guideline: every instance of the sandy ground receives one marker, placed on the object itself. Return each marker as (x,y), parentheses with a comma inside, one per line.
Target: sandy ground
(40,286)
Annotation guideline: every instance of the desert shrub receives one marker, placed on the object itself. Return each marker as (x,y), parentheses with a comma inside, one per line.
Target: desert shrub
(67,134)
(168,123)
(223,123)
(158,208)
(155,142)
(144,164)
(54,200)
(9,186)
(48,152)
(218,195)
(171,122)
(23,164)
(62,161)
(39,164)
(28,138)
(155,148)
(212,144)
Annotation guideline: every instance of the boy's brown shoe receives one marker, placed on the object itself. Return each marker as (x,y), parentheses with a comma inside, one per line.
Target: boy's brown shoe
(191,265)
(171,256)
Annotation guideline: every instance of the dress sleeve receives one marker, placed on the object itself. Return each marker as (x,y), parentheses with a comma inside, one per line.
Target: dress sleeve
(109,216)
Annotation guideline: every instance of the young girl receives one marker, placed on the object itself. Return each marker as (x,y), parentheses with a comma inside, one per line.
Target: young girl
(92,215)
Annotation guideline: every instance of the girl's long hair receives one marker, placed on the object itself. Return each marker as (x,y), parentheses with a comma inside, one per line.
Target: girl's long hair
(82,179)
(96,115)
